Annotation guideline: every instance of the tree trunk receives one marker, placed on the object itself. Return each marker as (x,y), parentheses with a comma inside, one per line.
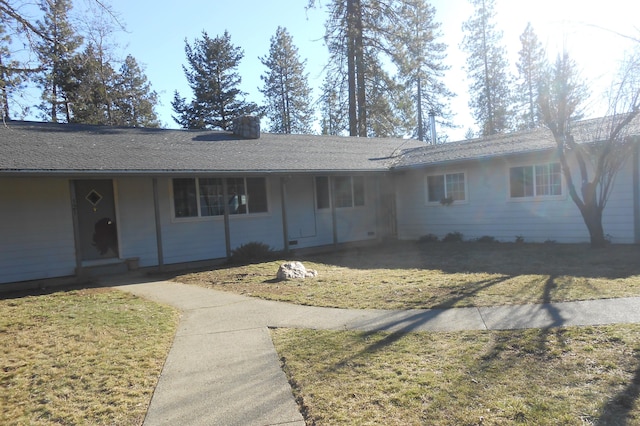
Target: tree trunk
(360,72)
(351,68)
(592,216)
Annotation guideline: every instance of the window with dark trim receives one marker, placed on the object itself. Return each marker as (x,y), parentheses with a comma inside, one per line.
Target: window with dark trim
(204,197)
(448,186)
(349,191)
(543,180)
(323,200)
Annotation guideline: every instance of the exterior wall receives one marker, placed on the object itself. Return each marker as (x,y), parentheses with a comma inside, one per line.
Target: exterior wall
(194,239)
(262,227)
(136,219)
(490,211)
(315,227)
(618,217)
(36,229)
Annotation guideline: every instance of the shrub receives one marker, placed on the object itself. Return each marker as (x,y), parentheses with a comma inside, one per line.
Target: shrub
(519,239)
(452,237)
(252,252)
(487,239)
(429,238)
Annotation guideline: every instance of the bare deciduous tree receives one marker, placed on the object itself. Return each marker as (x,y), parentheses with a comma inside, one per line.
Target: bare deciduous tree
(593,152)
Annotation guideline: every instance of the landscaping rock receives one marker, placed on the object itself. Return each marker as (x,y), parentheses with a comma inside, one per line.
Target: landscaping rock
(294,270)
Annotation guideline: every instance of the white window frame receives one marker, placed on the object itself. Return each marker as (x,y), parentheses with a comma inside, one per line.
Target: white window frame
(534,179)
(446,190)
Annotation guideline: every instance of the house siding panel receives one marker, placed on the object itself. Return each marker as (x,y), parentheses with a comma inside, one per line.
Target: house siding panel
(188,240)
(489,211)
(136,220)
(195,239)
(261,227)
(36,229)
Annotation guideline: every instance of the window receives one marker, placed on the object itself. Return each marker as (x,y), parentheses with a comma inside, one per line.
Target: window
(204,197)
(322,192)
(535,181)
(348,191)
(185,199)
(449,186)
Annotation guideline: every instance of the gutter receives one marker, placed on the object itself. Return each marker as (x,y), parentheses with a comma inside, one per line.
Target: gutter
(174,173)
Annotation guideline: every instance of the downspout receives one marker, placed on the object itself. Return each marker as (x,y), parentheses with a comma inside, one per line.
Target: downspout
(636,191)
(227,231)
(285,230)
(156,211)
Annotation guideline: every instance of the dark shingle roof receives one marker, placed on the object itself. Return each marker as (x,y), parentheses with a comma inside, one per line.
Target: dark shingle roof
(37,147)
(46,147)
(529,141)
(494,146)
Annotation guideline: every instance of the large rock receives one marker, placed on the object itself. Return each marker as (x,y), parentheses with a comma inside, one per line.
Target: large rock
(295,270)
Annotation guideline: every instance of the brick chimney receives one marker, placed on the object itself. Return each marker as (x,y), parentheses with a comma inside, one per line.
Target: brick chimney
(247,126)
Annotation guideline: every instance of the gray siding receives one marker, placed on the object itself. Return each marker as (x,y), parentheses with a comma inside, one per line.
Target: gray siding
(490,211)
(136,220)
(36,229)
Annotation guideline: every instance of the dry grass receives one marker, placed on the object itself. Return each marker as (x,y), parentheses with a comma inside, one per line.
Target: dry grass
(409,275)
(570,376)
(81,357)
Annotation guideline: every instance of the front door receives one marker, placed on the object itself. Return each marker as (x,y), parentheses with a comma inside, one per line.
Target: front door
(96,212)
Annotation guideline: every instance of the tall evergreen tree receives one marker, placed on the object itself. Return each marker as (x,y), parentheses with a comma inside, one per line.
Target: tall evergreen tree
(134,100)
(420,60)
(56,51)
(487,68)
(532,65)
(286,88)
(11,73)
(91,101)
(214,80)
(357,35)
(333,107)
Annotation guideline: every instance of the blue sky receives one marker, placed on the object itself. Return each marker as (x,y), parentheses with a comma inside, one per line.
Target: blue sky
(157,30)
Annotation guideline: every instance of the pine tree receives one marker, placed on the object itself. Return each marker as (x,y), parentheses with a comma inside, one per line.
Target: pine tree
(286,88)
(134,100)
(10,78)
(333,105)
(91,101)
(420,60)
(56,51)
(487,69)
(214,81)
(532,65)
(357,35)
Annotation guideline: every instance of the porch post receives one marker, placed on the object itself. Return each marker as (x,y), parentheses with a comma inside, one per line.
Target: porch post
(636,191)
(334,217)
(283,199)
(227,231)
(76,226)
(156,211)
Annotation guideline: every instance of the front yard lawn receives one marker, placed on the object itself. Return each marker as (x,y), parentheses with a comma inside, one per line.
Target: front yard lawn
(569,376)
(88,357)
(439,275)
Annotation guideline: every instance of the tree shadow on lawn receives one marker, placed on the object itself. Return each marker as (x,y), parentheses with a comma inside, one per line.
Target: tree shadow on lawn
(580,260)
(617,410)
(510,356)
(531,375)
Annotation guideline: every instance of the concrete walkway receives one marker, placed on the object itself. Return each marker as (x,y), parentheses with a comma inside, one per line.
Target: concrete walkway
(223,368)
